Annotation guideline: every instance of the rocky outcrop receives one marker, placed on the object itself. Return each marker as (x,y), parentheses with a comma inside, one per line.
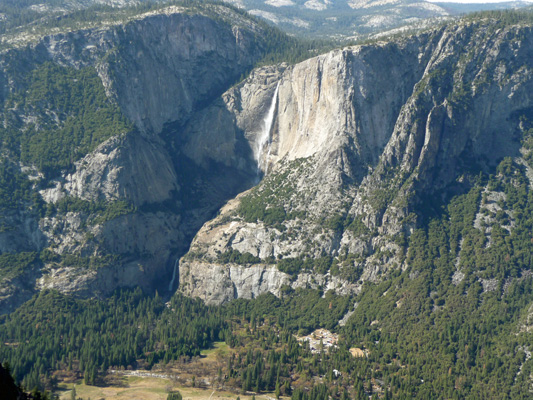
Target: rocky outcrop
(200,275)
(217,284)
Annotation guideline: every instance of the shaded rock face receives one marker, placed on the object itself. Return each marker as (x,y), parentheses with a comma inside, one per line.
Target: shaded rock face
(25,236)
(160,69)
(14,291)
(361,137)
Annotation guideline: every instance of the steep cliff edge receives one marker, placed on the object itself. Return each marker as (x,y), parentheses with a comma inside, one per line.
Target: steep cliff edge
(364,143)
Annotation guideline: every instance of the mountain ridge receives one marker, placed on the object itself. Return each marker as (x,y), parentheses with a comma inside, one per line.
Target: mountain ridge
(360,184)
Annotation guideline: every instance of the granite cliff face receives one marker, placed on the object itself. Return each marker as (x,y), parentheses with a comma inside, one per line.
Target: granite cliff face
(334,161)
(360,140)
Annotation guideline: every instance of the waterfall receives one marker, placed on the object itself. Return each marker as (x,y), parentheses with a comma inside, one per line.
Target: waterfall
(264,140)
(171,284)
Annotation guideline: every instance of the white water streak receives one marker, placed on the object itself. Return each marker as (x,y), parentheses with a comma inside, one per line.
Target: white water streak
(265,140)
(171,285)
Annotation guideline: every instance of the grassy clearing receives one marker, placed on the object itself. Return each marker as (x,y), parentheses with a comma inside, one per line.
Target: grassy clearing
(136,388)
(218,350)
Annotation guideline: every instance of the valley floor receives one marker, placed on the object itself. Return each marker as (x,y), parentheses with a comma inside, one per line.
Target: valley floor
(155,385)
(147,388)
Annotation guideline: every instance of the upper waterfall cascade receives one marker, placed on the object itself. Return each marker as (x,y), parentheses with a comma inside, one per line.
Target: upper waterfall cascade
(264,143)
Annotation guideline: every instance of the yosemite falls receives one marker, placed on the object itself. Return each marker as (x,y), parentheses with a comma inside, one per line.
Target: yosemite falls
(264,142)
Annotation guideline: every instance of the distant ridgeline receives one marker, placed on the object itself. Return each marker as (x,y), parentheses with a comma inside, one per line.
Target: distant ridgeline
(340,20)
(65,16)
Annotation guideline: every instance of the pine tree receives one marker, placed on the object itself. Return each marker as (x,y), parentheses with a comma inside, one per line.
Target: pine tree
(174,396)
